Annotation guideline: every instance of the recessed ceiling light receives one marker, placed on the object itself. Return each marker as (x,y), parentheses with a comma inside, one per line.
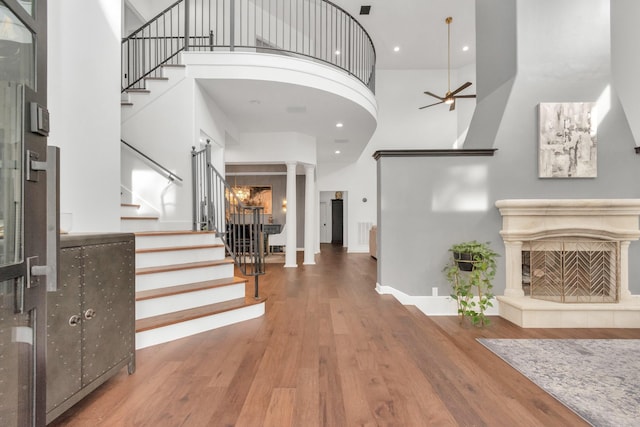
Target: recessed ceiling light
(339,125)
(465,48)
(337,151)
(337,51)
(396,49)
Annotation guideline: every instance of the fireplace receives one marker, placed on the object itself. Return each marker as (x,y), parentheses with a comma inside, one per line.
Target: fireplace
(572,270)
(576,252)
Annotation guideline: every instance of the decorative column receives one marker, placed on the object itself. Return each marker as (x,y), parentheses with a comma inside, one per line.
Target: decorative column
(291,247)
(513,261)
(309,215)
(625,294)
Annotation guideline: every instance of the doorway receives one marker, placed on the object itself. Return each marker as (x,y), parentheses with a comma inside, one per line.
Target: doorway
(333,222)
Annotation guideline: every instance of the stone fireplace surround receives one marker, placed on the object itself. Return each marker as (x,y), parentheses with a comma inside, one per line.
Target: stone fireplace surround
(524,220)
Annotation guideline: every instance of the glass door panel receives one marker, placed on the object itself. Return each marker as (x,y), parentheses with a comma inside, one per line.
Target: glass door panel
(11,149)
(17,49)
(28,5)
(17,355)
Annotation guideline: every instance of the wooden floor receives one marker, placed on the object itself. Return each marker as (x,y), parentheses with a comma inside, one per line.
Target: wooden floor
(330,351)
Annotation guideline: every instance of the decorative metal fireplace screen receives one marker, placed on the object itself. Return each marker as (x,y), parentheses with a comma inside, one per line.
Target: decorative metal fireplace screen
(580,271)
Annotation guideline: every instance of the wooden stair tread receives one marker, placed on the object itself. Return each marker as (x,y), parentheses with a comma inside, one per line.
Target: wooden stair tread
(190,287)
(126,104)
(194,313)
(186,266)
(170,233)
(156,78)
(178,248)
(138,91)
(155,218)
(130,205)
(173,65)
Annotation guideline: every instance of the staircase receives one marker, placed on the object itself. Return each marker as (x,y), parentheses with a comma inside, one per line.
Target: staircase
(131,220)
(185,285)
(152,87)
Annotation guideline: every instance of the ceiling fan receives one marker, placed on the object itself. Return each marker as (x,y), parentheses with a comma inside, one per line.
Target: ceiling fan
(450,97)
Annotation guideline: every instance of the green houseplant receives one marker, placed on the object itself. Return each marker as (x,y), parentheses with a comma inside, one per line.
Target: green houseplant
(470,271)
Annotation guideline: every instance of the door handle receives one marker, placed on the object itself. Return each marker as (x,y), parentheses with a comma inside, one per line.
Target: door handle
(75,320)
(34,271)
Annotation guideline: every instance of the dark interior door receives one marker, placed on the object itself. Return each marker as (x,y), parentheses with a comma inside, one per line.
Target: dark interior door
(22,213)
(336,221)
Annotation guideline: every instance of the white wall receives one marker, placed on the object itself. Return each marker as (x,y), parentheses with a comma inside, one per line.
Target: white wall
(84,102)
(272,147)
(465,107)
(165,125)
(150,8)
(211,120)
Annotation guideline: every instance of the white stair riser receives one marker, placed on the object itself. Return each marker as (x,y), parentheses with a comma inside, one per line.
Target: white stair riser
(170,304)
(156,259)
(195,326)
(156,85)
(129,211)
(133,225)
(165,241)
(174,73)
(145,282)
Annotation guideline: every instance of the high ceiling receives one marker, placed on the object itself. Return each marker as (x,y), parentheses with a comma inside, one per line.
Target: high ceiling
(418,27)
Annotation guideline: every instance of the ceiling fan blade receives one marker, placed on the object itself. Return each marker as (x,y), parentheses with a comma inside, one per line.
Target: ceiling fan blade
(461,88)
(434,95)
(431,105)
(465,96)
(453,105)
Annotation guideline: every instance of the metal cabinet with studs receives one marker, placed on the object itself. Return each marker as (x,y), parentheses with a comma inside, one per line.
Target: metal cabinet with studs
(90,317)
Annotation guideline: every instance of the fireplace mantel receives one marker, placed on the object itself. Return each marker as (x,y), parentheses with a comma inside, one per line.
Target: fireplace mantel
(532,219)
(525,220)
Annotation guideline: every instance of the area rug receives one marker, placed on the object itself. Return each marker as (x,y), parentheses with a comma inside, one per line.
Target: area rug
(598,379)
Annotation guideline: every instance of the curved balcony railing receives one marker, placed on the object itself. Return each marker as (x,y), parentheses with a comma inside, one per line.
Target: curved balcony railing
(315,29)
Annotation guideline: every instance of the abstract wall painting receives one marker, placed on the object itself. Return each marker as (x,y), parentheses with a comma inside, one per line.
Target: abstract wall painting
(567,140)
(255,195)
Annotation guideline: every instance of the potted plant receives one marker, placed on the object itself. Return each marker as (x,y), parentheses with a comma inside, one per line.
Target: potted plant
(470,271)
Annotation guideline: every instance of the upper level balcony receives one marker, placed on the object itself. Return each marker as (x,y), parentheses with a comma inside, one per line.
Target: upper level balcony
(310,55)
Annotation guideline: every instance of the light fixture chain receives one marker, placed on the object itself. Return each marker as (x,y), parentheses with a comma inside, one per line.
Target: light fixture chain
(448,21)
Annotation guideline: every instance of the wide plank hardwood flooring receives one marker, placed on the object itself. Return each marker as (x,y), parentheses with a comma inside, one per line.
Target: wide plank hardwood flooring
(330,351)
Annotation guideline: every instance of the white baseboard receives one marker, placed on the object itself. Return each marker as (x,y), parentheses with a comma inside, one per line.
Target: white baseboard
(430,305)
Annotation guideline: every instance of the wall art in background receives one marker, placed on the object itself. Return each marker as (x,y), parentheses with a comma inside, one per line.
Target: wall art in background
(567,140)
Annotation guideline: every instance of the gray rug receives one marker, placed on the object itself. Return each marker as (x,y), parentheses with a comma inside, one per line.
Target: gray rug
(597,379)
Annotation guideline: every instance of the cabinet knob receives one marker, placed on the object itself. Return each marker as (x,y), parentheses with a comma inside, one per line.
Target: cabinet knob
(75,320)
(90,314)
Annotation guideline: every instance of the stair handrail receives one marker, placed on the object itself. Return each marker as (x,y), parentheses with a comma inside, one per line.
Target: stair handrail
(326,33)
(217,208)
(170,175)
(156,43)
